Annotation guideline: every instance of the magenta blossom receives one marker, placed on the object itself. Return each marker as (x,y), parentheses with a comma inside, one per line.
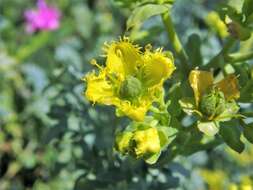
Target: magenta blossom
(45,17)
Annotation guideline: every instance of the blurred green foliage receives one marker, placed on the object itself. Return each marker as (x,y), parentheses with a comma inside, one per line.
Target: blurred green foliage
(53,138)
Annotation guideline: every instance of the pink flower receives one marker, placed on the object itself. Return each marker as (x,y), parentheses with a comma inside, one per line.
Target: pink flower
(45,17)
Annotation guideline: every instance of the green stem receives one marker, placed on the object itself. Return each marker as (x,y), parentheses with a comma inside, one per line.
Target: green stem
(175,150)
(238,57)
(215,61)
(174,39)
(248,114)
(36,42)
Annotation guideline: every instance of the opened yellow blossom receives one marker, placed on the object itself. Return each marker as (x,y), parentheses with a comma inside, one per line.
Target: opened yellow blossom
(131,79)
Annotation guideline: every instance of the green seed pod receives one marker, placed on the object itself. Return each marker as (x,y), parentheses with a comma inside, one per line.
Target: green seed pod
(131,88)
(208,104)
(221,103)
(213,104)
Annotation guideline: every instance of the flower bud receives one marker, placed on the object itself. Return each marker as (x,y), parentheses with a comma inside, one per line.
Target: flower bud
(214,21)
(122,143)
(238,31)
(146,142)
(131,88)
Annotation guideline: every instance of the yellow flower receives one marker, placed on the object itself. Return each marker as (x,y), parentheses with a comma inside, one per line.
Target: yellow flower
(122,142)
(131,80)
(202,81)
(146,142)
(140,143)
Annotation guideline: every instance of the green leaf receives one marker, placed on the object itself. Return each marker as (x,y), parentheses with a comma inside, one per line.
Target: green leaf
(194,144)
(175,123)
(175,93)
(230,112)
(193,47)
(140,14)
(208,128)
(236,4)
(247,7)
(153,158)
(41,186)
(231,11)
(231,135)
(163,117)
(250,19)
(35,43)
(188,106)
(247,92)
(27,158)
(82,14)
(166,135)
(248,132)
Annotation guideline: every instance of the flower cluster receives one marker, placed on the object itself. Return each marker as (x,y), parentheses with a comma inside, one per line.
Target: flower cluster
(132,80)
(45,17)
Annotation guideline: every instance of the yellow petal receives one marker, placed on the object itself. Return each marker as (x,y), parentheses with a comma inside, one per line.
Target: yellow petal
(229,86)
(99,89)
(122,57)
(146,142)
(157,68)
(200,81)
(134,112)
(122,142)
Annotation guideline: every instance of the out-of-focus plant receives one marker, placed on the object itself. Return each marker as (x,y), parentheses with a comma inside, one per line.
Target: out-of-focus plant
(216,24)
(169,128)
(219,180)
(45,18)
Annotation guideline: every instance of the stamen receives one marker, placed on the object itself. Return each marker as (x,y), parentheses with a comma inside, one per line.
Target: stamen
(148,47)
(118,52)
(94,62)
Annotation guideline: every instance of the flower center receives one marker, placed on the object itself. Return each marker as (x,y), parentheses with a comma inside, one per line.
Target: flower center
(213,104)
(131,88)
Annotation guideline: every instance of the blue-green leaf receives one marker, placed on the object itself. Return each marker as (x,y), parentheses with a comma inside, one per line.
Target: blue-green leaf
(142,13)
(208,128)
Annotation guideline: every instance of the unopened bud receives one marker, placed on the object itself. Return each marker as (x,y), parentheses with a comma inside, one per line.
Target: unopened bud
(238,31)
(146,142)
(122,143)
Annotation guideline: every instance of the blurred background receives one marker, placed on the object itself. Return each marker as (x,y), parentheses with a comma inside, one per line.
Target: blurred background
(52,138)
